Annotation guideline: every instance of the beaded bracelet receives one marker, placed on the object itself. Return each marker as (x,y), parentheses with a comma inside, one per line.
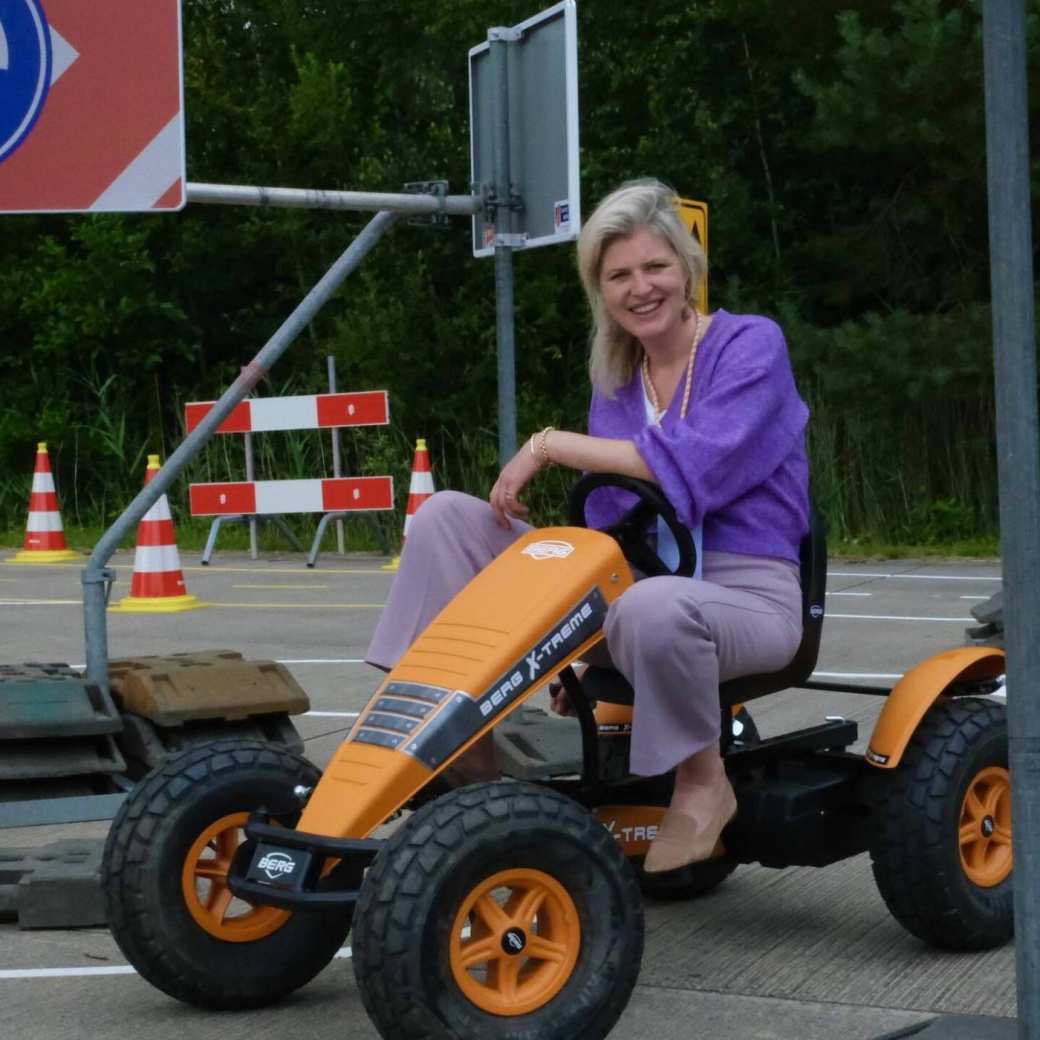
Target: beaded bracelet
(536,445)
(543,437)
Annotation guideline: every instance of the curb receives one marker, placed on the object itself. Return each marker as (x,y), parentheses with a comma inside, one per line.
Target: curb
(959,1027)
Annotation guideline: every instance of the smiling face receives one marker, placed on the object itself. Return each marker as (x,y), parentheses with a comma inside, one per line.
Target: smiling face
(644,287)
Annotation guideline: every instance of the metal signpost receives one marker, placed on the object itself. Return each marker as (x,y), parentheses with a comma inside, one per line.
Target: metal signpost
(91,116)
(523,86)
(1011,272)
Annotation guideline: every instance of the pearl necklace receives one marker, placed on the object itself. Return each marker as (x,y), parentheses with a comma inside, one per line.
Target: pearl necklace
(649,386)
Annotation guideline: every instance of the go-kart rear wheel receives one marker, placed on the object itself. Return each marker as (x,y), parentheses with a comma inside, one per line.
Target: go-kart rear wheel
(941,849)
(498,912)
(164,876)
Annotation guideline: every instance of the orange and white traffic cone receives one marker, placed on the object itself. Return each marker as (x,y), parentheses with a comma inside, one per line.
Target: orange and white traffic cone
(419,489)
(44,535)
(157,586)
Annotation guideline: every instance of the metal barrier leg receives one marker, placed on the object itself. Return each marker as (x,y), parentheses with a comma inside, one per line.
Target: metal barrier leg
(211,540)
(319,534)
(290,536)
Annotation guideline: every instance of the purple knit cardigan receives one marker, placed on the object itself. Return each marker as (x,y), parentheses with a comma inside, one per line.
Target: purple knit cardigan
(737,461)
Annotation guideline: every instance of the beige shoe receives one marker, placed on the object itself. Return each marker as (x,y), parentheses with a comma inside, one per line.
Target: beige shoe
(682,839)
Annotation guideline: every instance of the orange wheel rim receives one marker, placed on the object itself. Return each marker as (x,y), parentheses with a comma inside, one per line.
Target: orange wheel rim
(206,894)
(985,828)
(515,941)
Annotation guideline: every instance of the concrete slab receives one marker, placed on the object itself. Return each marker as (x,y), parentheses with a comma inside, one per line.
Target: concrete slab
(53,886)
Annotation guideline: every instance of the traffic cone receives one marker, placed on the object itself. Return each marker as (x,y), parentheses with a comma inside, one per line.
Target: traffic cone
(419,489)
(157,586)
(44,535)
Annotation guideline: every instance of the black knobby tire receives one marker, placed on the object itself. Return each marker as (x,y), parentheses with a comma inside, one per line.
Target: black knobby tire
(916,840)
(165,815)
(405,920)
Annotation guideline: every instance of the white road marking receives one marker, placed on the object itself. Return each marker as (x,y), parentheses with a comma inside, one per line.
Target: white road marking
(850,593)
(61,973)
(899,617)
(913,577)
(118,969)
(857,675)
(41,602)
(973,597)
(321,660)
(280,586)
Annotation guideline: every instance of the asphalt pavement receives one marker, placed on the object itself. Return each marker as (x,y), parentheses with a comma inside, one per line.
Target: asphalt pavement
(771,955)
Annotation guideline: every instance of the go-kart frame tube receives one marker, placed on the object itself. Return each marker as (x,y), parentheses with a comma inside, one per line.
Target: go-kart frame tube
(1018,465)
(96,578)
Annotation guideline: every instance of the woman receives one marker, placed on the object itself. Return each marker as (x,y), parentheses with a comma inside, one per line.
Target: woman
(706,407)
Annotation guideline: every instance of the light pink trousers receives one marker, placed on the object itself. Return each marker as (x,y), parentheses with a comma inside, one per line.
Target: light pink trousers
(674,639)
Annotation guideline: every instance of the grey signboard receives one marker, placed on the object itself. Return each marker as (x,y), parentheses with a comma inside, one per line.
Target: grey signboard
(543,130)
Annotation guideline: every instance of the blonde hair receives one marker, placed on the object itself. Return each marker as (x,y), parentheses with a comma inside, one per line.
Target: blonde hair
(645,203)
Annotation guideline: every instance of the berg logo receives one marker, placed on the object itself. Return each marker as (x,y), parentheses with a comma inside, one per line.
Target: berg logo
(550,549)
(25,70)
(277,864)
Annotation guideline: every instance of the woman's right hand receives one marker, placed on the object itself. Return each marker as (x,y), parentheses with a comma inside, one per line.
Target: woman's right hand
(515,476)
(559,701)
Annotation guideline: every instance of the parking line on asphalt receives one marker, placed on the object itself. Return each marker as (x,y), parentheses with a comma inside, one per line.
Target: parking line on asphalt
(291,660)
(343,953)
(41,603)
(259,570)
(321,660)
(911,575)
(856,675)
(283,586)
(899,617)
(299,606)
(332,714)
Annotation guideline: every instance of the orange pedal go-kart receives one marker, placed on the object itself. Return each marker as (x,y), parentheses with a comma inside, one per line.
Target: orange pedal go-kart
(512,909)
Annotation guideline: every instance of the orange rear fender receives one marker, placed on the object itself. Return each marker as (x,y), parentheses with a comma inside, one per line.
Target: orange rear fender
(526,616)
(918,690)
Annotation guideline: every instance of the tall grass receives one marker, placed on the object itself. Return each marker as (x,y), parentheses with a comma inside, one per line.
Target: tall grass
(901,442)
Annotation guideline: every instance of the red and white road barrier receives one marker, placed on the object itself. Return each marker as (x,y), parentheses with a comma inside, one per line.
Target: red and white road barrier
(267,497)
(44,535)
(310,412)
(157,586)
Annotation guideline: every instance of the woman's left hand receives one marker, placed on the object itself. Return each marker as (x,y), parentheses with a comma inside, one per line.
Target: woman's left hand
(515,476)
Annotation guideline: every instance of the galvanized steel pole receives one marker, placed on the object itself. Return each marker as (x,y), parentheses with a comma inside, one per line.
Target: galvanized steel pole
(498,53)
(95,576)
(1014,333)
(308,198)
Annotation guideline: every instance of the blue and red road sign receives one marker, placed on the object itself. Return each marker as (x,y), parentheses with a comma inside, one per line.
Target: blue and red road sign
(91,105)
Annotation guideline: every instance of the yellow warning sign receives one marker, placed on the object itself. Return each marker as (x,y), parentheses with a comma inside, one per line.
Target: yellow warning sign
(695,216)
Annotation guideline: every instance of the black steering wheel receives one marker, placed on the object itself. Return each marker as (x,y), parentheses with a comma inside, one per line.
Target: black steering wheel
(630,532)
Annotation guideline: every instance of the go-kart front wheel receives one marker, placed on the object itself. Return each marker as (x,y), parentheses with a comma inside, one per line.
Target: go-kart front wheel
(941,850)
(498,912)
(164,876)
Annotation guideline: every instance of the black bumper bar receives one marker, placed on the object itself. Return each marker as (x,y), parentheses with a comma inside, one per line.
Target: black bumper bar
(318,890)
